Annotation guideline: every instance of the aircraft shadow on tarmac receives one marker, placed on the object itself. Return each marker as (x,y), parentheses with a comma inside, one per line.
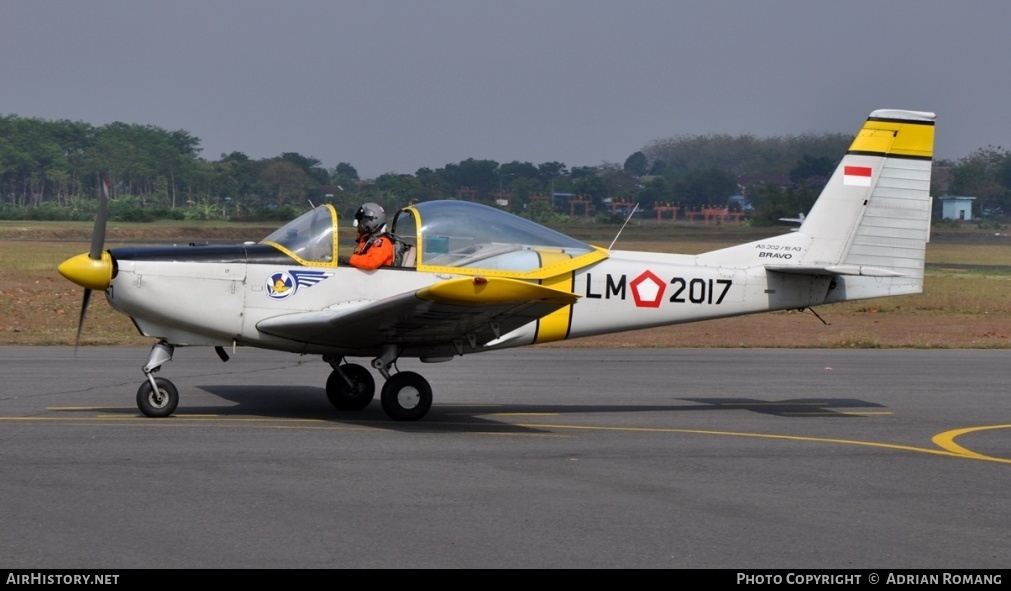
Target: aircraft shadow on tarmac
(308,402)
(793,407)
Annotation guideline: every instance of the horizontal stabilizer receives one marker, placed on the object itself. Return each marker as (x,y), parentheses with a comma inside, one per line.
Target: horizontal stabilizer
(834,270)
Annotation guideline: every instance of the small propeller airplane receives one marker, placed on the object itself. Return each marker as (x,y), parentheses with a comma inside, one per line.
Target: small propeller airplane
(478,279)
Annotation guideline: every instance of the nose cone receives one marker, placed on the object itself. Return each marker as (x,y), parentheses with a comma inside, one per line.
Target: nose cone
(88,272)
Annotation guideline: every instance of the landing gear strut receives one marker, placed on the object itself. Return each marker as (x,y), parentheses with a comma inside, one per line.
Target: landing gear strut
(157,397)
(406,396)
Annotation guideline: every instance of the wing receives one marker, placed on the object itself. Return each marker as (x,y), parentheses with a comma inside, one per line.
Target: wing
(478,308)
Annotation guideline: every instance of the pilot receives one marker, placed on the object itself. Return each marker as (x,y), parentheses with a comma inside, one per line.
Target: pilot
(374,248)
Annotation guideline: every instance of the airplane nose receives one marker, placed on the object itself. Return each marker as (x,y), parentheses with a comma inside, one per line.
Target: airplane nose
(87,272)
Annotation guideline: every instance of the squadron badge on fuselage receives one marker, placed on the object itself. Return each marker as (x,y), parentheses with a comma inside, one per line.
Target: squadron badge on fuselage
(282,285)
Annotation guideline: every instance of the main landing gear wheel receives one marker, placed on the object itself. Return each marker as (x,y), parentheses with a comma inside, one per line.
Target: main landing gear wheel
(406,396)
(160,403)
(358,395)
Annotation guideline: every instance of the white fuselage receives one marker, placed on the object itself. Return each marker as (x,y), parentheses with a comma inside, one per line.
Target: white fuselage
(220,303)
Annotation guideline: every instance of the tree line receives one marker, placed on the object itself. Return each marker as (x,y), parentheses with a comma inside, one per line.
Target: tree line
(52,170)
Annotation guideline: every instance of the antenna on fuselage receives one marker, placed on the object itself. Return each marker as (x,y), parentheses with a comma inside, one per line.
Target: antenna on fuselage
(623,226)
(311,204)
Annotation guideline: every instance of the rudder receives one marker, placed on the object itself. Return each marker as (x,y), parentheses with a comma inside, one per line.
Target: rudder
(873,217)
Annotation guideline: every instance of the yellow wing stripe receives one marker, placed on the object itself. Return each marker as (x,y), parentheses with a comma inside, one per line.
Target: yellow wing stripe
(895,138)
(555,326)
(477,291)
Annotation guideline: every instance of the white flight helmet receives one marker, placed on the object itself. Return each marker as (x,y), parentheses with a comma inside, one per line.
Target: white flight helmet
(370,218)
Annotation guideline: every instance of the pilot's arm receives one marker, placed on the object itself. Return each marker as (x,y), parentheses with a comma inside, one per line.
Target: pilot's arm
(380,253)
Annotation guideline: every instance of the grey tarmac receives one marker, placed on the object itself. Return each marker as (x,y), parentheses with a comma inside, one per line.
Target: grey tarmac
(530,458)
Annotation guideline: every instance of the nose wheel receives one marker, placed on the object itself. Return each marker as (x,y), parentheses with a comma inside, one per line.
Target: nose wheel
(158,401)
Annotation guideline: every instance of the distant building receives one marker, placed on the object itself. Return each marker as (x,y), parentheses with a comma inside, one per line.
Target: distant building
(740,203)
(957,208)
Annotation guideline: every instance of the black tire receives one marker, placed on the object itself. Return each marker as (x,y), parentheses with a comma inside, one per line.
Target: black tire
(406,396)
(157,404)
(355,398)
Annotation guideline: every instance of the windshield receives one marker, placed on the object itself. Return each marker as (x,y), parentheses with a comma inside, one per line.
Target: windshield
(310,237)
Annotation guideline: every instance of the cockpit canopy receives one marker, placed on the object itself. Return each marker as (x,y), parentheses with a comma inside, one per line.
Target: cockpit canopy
(309,238)
(454,234)
(465,234)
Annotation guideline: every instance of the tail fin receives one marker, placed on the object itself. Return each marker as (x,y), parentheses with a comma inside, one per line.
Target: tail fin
(874,213)
(870,226)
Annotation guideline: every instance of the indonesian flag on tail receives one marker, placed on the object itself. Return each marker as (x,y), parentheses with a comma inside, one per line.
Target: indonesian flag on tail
(857,176)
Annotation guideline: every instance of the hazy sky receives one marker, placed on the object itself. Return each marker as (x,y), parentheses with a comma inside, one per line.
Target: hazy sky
(396,85)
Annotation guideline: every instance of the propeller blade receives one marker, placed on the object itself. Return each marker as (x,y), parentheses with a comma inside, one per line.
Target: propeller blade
(98,234)
(95,254)
(80,320)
